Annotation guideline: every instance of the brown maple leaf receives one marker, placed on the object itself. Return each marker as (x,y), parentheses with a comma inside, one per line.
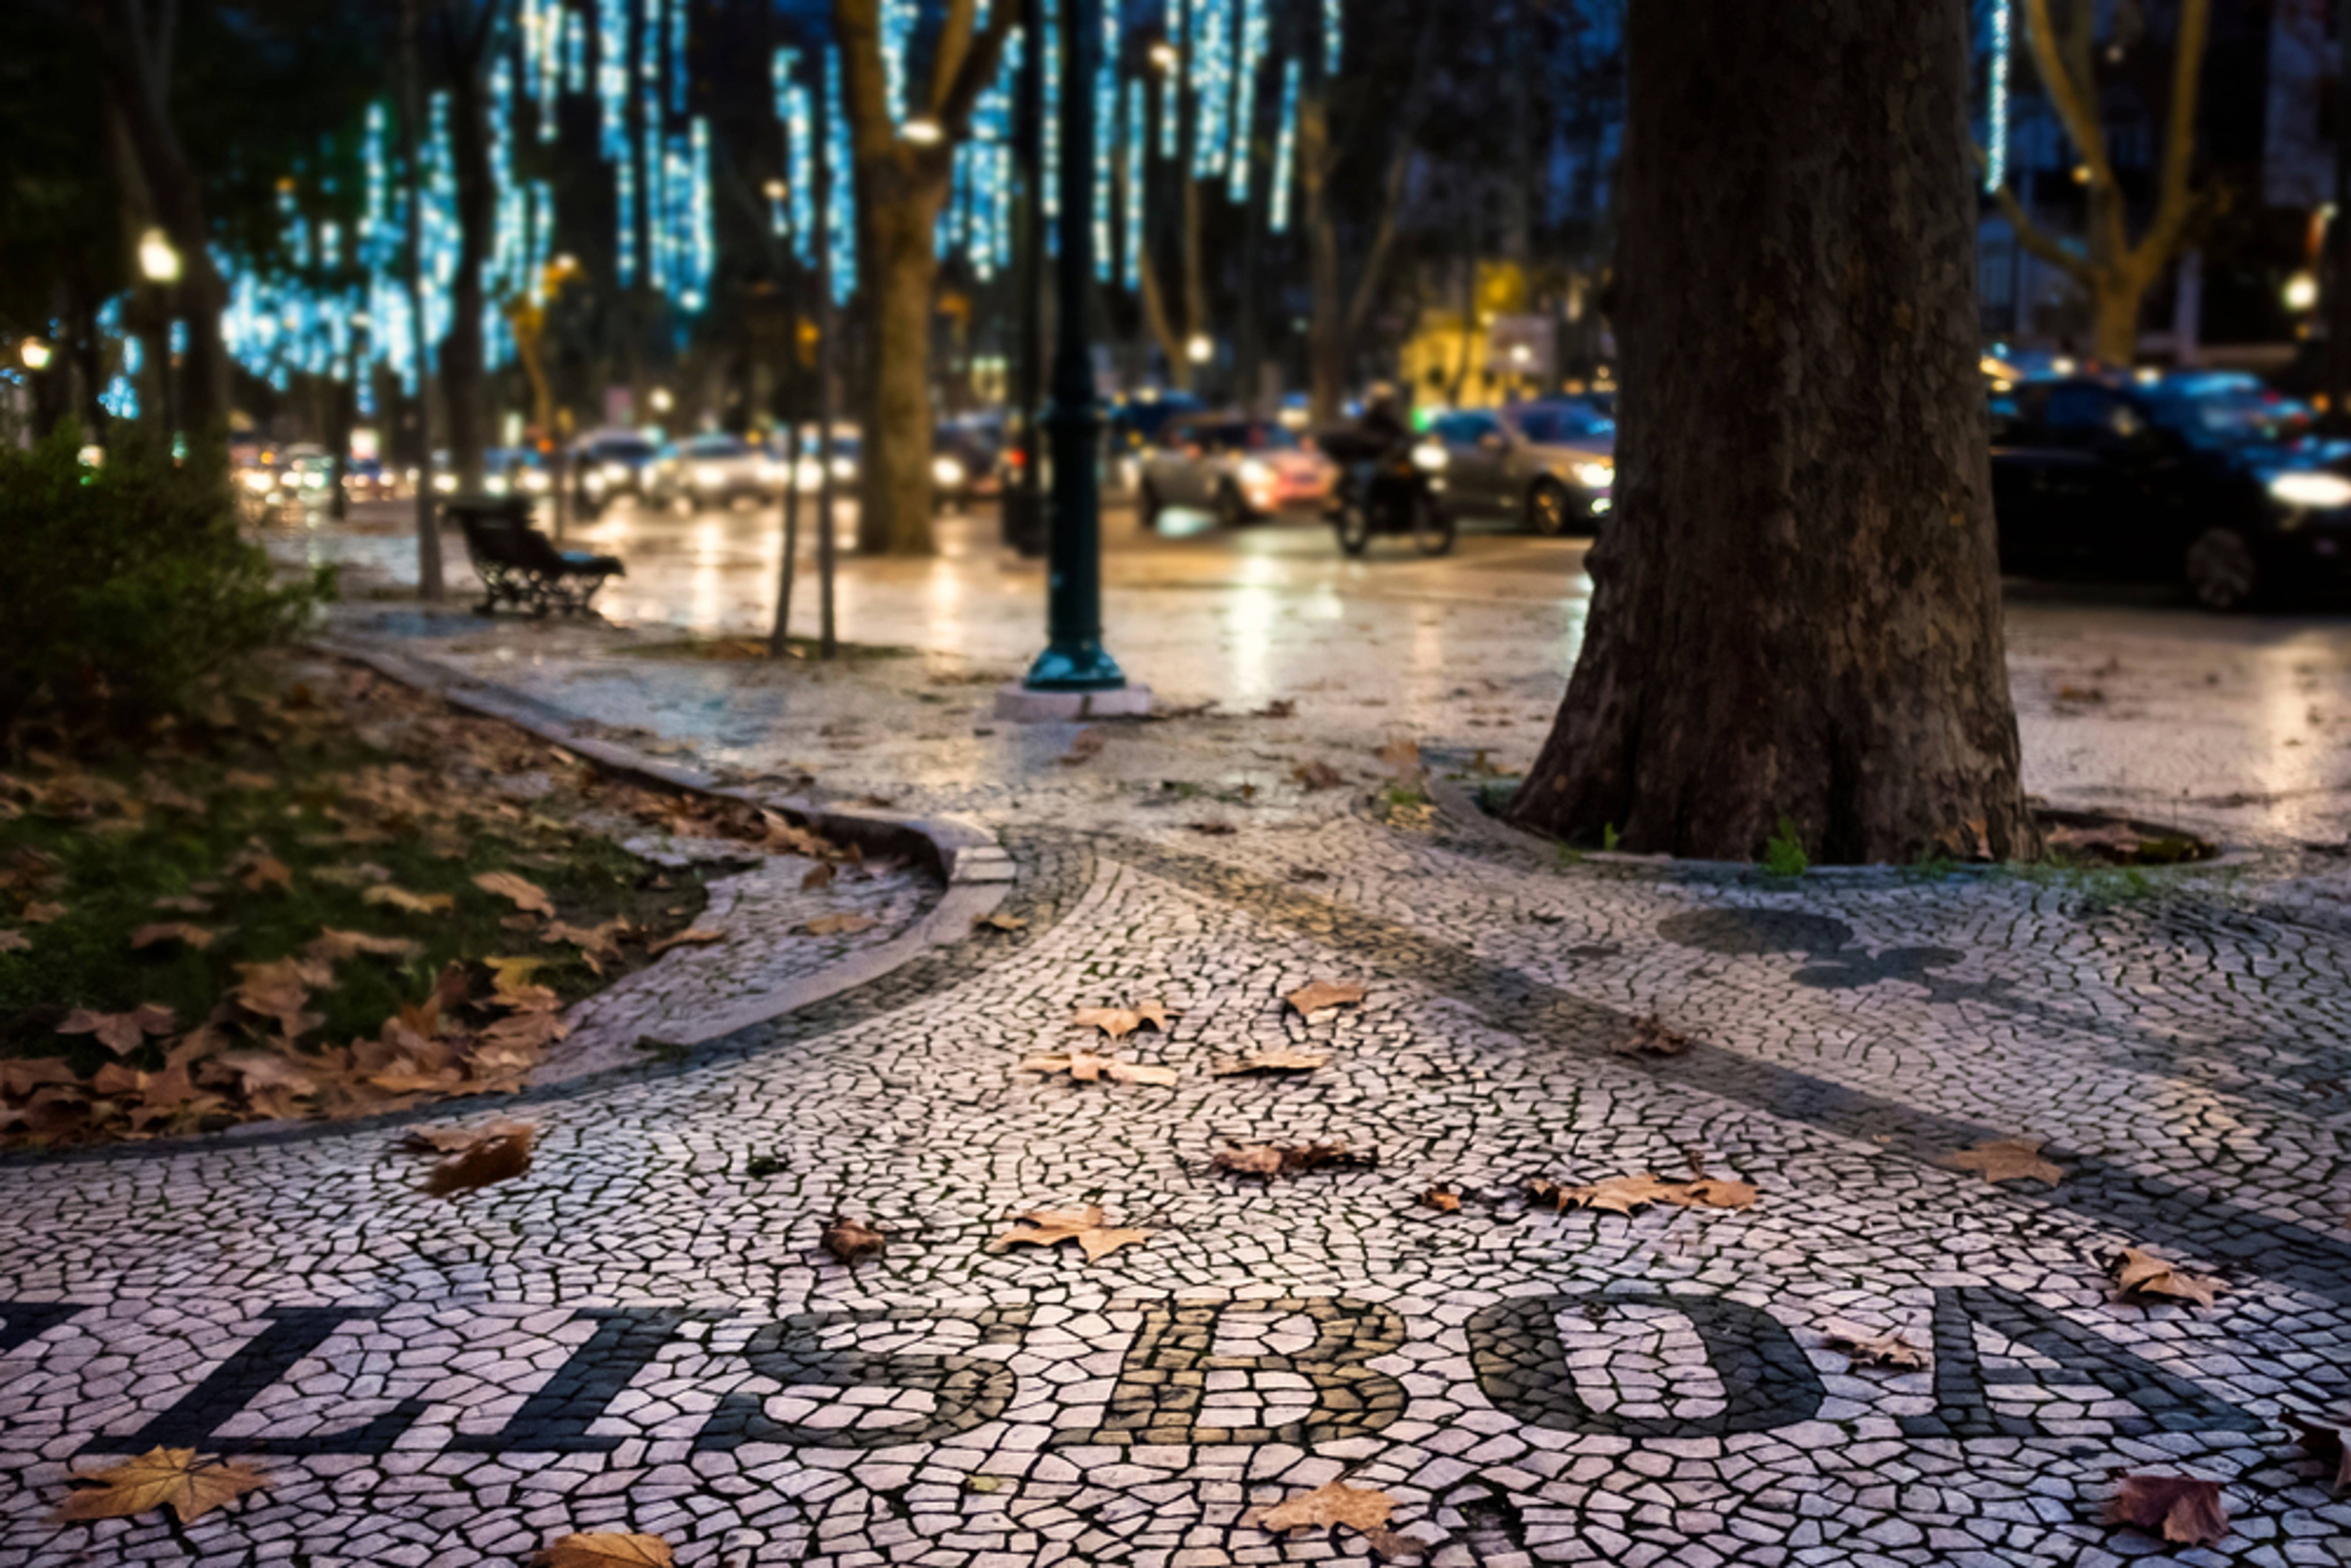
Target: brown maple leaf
(1711,1192)
(333,946)
(121,1032)
(19,1076)
(2006,1159)
(1082,1226)
(525,895)
(414,902)
(2326,1444)
(1365,1509)
(999,921)
(457,1140)
(2181,1509)
(1119,1022)
(2139,1276)
(1316,995)
(1085,1067)
(818,876)
(837,925)
(605,1548)
(1284,1159)
(243,780)
(366,873)
(1617,1195)
(1648,1037)
(40,913)
(1317,774)
(1876,1350)
(498,1159)
(692,936)
(160,1478)
(195,936)
(257,868)
(14,941)
(852,1240)
(1443,1200)
(1280,1059)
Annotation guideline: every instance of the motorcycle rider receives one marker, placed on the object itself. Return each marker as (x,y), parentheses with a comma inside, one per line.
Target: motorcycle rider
(1382,417)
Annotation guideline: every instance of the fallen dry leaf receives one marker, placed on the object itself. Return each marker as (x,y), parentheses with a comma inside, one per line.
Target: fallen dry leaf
(2139,1275)
(1119,1022)
(333,946)
(525,895)
(852,1240)
(243,778)
(1316,995)
(160,1478)
(1617,1195)
(414,903)
(2181,1509)
(1318,775)
(1648,1037)
(258,871)
(1365,1509)
(1285,1159)
(1082,1226)
(818,876)
(364,875)
(182,903)
(692,936)
(1280,1059)
(14,941)
(498,1159)
(40,913)
(606,1549)
(19,1076)
(1443,1200)
(1087,1067)
(457,1140)
(121,1032)
(837,925)
(1085,745)
(2006,1159)
(999,921)
(1711,1192)
(2326,1444)
(1877,1350)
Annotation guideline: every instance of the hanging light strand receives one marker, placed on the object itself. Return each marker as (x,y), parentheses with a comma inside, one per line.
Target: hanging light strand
(1285,151)
(1253,41)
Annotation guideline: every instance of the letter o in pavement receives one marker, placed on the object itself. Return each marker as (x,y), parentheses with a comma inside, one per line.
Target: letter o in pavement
(1522,1367)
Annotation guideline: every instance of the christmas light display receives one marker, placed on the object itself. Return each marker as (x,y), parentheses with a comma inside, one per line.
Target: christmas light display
(677,63)
(898,19)
(1050,177)
(1212,85)
(1285,151)
(575,52)
(1333,36)
(1171,95)
(1253,41)
(799,153)
(841,197)
(612,81)
(1138,152)
(1996,96)
(1106,148)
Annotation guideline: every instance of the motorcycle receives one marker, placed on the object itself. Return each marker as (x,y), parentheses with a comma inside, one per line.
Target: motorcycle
(1382,490)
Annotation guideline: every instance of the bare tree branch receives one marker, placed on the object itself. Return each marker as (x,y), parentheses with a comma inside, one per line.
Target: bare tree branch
(2073,100)
(2176,205)
(976,68)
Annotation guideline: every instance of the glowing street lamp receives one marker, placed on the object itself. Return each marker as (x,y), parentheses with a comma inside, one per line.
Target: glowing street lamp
(1201,349)
(35,353)
(159,260)
(2301,291)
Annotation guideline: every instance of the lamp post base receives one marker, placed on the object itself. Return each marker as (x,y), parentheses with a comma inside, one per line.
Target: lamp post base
(1018,703)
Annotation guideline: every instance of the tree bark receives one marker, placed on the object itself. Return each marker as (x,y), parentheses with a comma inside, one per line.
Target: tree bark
(464,371)
(1326,329)
(1796,609)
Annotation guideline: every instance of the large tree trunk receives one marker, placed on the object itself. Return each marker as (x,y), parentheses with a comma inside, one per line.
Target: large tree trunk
(465,370)
(1796,609)
(897,222)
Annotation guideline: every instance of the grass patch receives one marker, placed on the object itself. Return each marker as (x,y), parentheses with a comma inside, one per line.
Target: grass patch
(1783,853)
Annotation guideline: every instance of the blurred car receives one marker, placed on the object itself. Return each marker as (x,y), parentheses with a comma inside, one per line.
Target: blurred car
(609,465)
(809,472)
(515,471)
(967,461)
(2208,479)
(1134,427)
(1240,470)
(1552,464)
(716,470)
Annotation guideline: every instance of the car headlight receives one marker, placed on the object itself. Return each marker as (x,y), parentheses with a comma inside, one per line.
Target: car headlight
(2316,492)
(709,476)
(535,481)
(444,483)
(1431,457)
(258,481)
(1596,475)
(947,474)
(595,482)
(844,468)
(616,473)
(497,484)
(1255,474)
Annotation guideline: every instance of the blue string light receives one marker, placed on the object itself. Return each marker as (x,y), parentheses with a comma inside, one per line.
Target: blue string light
(1252,56)
(1995,94)
(1285,151)
(677,62)
(613,79)
(1212,85)
(898,19)
(1106,149)
(1138,156)
(1333,36)
(841,195)
(1171,93)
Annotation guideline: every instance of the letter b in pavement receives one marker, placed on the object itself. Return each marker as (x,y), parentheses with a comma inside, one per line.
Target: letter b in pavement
(1165,1384)
(1521,1365)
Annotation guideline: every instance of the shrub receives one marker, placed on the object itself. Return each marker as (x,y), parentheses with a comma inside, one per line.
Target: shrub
(125,587)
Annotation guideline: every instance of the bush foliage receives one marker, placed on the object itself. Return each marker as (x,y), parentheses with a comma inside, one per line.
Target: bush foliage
(124,587)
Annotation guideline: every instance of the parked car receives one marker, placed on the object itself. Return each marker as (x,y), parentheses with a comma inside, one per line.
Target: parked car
(2208,479)
(515,471)
(714,470)
(809,474)
(609,465)
(1552,464)
(1240,470)
(967,461)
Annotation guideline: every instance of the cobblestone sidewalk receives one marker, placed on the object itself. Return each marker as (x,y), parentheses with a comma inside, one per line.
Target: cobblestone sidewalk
(642,1332)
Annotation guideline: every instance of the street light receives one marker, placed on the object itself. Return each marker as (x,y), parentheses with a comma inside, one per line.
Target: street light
(1075,677)
(35,353)
(2301,291)
(158,262)
(1200,349)
(1164,56)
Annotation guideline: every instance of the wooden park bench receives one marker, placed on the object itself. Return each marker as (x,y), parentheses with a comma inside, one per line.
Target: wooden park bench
(521,565)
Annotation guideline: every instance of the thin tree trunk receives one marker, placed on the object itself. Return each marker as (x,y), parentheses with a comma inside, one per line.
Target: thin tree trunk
(896,226)
(465,370)
(1326,328)
(428,585)
(1796,611)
